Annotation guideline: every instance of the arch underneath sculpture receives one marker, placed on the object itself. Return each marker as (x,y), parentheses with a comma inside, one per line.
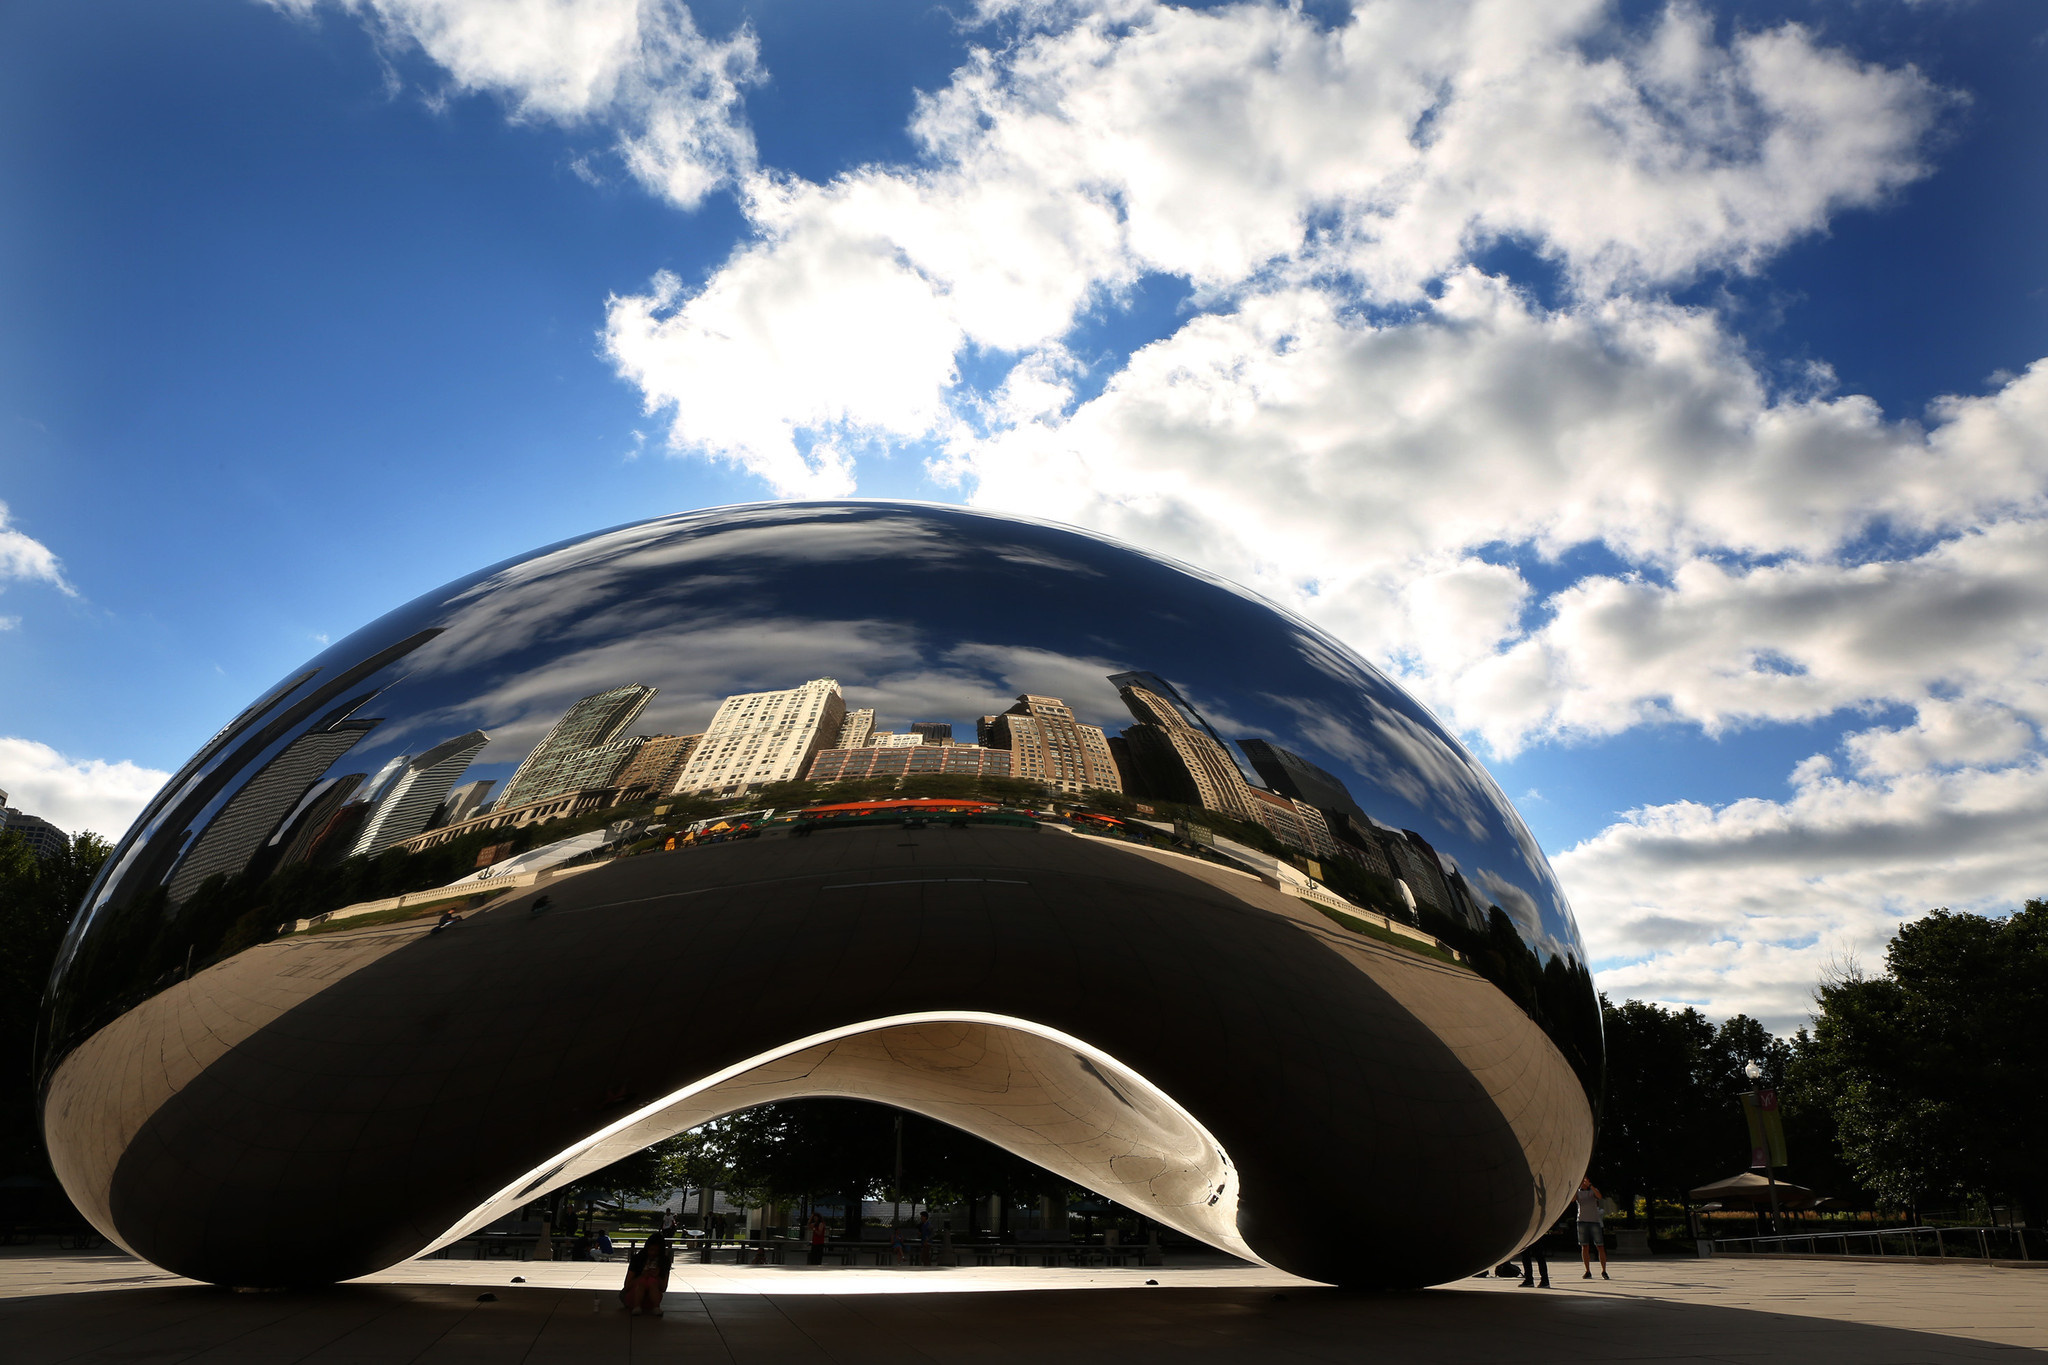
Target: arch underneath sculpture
(1033,1091)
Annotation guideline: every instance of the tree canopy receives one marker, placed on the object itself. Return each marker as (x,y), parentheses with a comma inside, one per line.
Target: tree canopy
(1935,1070)
(37,899)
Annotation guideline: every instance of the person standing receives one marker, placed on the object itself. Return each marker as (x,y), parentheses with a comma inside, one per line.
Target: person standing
(817,1238)
(647,1275)
(1532,1258)
(924,1238)
(1590,1239)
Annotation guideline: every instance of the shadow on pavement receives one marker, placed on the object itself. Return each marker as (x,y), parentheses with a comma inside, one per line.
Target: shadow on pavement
(433,1323)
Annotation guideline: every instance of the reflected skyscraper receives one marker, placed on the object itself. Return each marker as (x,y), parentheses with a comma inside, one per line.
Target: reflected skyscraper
(1048,744)
(1292,775)
(247,819)
(1177,755)
(413,796)
(300,837)
(464,801)
(656,764)
(585,748)
(761,737)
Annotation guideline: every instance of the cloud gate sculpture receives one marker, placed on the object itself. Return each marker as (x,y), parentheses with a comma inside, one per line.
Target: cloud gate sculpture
(1068,846)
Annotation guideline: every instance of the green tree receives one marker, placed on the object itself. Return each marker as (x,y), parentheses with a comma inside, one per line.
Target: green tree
(1662,1112)
(38,897)
(1935,1070)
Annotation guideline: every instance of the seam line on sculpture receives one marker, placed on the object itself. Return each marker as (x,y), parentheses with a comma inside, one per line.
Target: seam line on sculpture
(926,881)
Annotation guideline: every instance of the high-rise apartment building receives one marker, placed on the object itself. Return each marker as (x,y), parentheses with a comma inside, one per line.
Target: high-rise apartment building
(1179,758)
(971,760)
(762,737)
(249,817)
(855,729)
(1166,692)
(411,800)
(45,840)
(1048,744)
(932,731)
(656,764)
(584,749)
(889,739)
(1293,822)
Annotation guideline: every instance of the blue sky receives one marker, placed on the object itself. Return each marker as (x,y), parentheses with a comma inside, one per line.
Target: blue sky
(1647,387)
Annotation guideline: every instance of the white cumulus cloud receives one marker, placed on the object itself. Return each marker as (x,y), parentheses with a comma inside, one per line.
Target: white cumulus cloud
(24,558)
(1744,906)
(673,95)
(1356,413)
(75,794)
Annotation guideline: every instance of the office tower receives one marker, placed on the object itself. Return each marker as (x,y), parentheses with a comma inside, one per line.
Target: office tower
(584,742)
(300,838)
(985,729)
(854,732)
(932,731)
(1047,744)
(413,796)
(463,802)
(1415,863)
(762,737)
(1179,758)
(1361,841)
(246,820)
(591,769)
(655,764)
(1464,901)
(380,782)
(45,840)
(968,760)
(1292,775)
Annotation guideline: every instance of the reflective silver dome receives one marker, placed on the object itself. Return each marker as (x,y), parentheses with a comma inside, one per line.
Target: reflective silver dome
(1107,861)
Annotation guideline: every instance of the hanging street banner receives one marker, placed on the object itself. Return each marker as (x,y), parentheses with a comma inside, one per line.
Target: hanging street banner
(1766,1128)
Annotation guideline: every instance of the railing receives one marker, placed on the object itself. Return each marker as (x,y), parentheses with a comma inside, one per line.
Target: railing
(1971,1243)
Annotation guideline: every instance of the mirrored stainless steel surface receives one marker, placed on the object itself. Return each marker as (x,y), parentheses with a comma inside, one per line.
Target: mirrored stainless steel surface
(1074,848)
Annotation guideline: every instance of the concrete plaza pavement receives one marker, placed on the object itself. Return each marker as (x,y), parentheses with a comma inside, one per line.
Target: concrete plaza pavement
(104,1307)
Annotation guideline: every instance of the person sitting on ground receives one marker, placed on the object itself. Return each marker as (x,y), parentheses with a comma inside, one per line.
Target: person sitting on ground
(647,1276)
(1588,1201)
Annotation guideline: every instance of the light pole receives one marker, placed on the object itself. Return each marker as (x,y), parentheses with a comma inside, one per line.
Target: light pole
(1765,1102)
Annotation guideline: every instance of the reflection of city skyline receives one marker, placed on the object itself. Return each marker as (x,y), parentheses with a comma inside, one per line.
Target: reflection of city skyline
(291,812)
(1170,753)
(547,756)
